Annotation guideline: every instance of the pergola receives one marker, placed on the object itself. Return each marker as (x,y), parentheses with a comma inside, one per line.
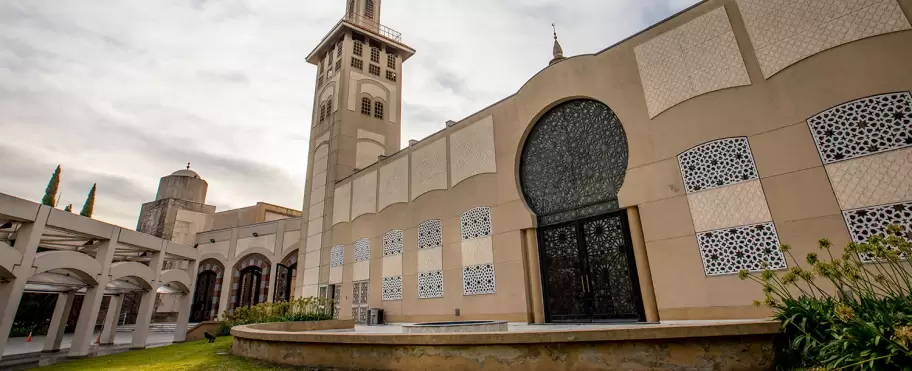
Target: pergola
(43,249)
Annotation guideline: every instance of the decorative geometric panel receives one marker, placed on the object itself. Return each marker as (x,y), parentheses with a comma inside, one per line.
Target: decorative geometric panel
(472,150)
(878,179)
(716,164)
(337,256)
(573,162)
(364,194)
(430,259)
(478,279)
(392,288)
(477,251)
(785,32)
(342,203)
(698,57)
(869,125)
(363,249)
(392,242)
(430,284)
(392,265)
(476,223)
(728,251)
(393,182)
(729,206)
(864,223)
(429,170)
(430,234)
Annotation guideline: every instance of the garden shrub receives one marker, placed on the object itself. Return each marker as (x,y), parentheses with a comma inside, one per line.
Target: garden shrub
(865,323)
(294,310)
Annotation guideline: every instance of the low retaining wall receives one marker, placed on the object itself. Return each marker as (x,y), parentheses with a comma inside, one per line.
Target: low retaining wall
(196,333)
(734,346)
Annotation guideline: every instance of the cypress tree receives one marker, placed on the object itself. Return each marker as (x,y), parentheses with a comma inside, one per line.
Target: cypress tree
(69,208)
(89,205)
(50,193)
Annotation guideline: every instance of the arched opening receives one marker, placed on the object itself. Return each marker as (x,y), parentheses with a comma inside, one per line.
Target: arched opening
(572,166)
(205,305)
(286,272)
(249,281)
(248,293)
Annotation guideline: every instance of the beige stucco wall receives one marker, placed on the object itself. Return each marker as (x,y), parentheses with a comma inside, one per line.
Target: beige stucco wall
(769,110)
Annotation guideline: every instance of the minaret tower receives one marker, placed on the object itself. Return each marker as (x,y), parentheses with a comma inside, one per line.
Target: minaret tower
(357,112)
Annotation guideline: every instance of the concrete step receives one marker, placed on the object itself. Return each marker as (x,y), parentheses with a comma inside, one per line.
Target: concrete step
(154,327)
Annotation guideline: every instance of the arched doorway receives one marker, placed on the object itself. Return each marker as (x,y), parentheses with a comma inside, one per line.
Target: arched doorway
(251,280)
(571,168)
(286,272)
(206,293)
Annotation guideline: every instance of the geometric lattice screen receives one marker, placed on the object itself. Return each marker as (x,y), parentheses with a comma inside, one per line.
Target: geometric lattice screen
(729,210)
(392,265)
(866,148)
(430,259)
(477,252)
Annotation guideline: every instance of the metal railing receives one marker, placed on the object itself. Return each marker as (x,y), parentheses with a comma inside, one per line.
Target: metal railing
(373,26)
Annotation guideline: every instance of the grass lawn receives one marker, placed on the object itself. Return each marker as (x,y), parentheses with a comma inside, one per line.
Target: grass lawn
(197,355)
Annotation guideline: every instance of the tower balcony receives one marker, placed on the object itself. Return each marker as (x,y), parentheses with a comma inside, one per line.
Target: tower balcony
(369,24)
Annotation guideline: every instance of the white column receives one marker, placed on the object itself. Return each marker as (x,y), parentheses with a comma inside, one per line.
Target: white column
(228,275)
(185,303)
(59,321)
(110,323)
(147,305)
(27,240)
(270,293)
(88,314)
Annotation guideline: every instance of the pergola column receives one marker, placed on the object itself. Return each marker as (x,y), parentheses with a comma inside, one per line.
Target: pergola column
(147,305)
(110,324)
(88,314)
(59,321)
(27,239)
(228,274)
(185,303)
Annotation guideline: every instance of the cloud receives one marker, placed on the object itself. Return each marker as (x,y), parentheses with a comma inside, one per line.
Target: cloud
(122,93)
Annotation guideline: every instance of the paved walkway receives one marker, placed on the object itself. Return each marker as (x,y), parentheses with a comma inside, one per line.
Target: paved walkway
(19,346)
(19,355)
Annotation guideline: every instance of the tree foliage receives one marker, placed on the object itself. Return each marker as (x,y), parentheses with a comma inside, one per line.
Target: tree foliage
(50,193)
(89,205)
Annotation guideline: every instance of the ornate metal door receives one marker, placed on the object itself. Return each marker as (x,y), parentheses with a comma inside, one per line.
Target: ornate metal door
(359,301)
(251,281)
(202,298)
(283,283)
(588,271)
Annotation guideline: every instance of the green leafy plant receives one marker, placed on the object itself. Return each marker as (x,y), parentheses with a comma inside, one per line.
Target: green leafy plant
(294,310)
(50,193)
(89,207)
(864,323)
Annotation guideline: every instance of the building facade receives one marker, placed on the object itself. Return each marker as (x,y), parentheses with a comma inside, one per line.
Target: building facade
(631,184)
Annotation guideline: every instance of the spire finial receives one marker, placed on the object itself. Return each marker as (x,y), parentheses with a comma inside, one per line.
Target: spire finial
(188,166)
(557,51)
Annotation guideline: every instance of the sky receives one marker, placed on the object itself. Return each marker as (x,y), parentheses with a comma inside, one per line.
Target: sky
(121,93)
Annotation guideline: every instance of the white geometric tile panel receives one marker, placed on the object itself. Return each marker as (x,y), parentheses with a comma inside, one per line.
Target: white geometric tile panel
(430,285)
(342,203)
(729,206)
(335,275)
(393,182)
(785,32)
(878,179)
(430,259)
(361,270)
(430,234)
(429,168)
(364,194)
(392,265)
(478,280)
(728,251)
(695,58)
(337,256)
(477,251)
(866,222)
(475,223)
(716,164)
(392,242)
(863,126)
(472,150)
(392,288)
(362,249)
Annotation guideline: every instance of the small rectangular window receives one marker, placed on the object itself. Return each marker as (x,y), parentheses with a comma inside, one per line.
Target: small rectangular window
(358,48)
(339,49)
(365,106)
(375,55)
(391,61)
(320,80)
(338,65)
(378,110)
(329,58)
(356,63)
(391,75)
(322,112)
(375,69)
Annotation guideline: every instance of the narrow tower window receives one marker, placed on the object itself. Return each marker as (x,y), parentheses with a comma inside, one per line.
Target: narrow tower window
(369,9)
(329,106)
(358,47)
(375,55)
(357,63)
(322,112)
(375,70)
(378,110)
(391,61)
(351,8)
(391,75)
(365,106)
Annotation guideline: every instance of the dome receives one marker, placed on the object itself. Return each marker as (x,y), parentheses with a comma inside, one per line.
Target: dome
(186,172)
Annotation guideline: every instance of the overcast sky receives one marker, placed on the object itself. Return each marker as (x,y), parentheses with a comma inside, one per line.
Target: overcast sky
(121,93)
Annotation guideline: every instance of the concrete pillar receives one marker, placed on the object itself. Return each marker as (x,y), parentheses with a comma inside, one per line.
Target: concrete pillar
(644,273)
(185,303)
(278,251)
(110,323)
(225,296)
(88,314)
(533,276)
(270,294)
(59,321)
(27,239)
(147,305)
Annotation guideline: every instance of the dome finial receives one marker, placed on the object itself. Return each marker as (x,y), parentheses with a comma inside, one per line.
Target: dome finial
(558,52)
(188,166)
